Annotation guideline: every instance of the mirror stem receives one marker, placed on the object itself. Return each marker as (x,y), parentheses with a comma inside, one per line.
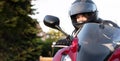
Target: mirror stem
(59,28)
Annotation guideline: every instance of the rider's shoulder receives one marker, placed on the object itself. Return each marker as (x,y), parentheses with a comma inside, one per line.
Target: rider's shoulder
(109,22)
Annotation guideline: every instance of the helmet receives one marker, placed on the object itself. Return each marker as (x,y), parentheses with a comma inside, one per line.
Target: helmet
(82,6)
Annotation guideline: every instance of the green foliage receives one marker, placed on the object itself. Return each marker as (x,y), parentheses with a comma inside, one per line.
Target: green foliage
(25,52)
(18,40)
(47,49)
(55,34)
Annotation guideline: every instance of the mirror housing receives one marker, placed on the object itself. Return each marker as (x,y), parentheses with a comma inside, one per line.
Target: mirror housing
(53,22)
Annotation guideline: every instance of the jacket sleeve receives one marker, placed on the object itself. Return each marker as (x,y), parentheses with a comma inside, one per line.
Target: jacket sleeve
(107,22)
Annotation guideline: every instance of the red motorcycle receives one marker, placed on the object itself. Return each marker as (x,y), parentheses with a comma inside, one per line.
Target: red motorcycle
(94,42)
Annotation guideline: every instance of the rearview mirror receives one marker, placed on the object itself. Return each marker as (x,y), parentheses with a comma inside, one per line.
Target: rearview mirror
(51,21)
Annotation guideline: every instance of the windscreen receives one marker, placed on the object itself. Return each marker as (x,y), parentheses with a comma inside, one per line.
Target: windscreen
(97,42)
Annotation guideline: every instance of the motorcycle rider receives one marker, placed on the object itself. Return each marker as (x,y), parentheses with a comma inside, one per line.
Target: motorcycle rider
(81,12)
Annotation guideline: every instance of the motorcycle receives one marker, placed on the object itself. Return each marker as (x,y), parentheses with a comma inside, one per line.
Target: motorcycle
(94,42)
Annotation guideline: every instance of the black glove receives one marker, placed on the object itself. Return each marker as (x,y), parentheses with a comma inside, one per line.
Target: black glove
(67,41)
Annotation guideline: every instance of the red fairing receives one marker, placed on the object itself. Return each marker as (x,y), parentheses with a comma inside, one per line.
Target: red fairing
(115,56)
(58,55)
(74,49)
(70,50)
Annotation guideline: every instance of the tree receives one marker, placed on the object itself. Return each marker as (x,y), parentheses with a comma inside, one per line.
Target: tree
(18,40)
(47,50)
(55,34)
